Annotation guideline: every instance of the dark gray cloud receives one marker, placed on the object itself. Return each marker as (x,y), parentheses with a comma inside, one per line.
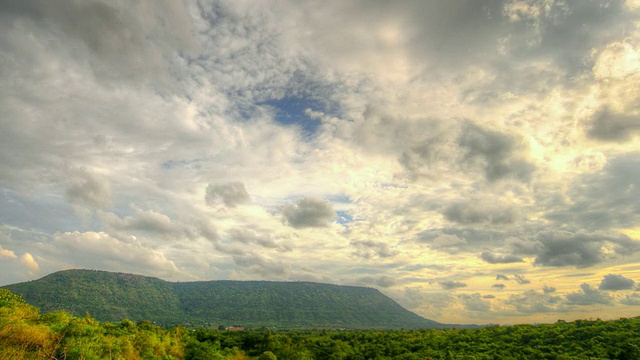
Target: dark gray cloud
(521,279)
(608,126)
(488,296)
(90,190)
(498,286)
(588,296)
(564,248)
(493,258)
(308,212)
(114,42)
(494,152)
(604,199)
(502,277)
(448,243)
(449,284)
(548,289)
(631,299)
(477,212)
(615,282)
(230,194)
(474,302)
(369,249)
(565,32)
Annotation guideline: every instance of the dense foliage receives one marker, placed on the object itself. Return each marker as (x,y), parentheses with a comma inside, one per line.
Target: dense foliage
(27,334)
(114,296)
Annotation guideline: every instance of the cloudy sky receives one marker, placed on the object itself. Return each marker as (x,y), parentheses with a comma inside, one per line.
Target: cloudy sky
(477,161)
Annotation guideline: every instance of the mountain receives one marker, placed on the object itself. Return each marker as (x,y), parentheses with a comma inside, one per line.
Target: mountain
(109,296)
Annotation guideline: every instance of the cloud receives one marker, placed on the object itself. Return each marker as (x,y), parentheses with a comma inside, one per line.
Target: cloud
(230,194)
(258,265)
(369,249)
(532,301)
(521,279)
(495,153)
(502,277)
(99,250)
(493,258)
(608,126)
(604,198)
(449,285)
(614,282)
(250,237)
(580,249)
(308,212)
(474,302)
(449,243)
(498,286)
(548,289)
(27,260)
(383,281)
(7,253)
(588,296)
(90,190)
(479,212)
(631,299)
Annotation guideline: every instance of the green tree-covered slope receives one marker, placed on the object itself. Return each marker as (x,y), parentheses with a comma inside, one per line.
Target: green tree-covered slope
(115,296)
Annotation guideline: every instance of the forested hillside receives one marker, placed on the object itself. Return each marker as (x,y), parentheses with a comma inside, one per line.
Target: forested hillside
(27,334)
(114,296)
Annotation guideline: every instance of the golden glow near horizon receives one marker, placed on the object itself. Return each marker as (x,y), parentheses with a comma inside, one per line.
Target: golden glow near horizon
(478,163)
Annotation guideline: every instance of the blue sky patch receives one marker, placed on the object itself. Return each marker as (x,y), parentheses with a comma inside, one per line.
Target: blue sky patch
(290,111)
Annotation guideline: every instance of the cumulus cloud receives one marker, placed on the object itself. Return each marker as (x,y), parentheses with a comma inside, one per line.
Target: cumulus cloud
(588,296)
(230,194)
(308,212)
(548,289)
(449,284)
(615,282)
(493,258)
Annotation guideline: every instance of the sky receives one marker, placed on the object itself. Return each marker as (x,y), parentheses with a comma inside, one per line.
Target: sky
(477,161)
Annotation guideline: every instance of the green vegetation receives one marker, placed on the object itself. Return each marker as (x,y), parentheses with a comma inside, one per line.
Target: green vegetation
(27,334)
(115,296)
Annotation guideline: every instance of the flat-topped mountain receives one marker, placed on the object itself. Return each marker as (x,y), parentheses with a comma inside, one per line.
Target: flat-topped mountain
(109,296)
